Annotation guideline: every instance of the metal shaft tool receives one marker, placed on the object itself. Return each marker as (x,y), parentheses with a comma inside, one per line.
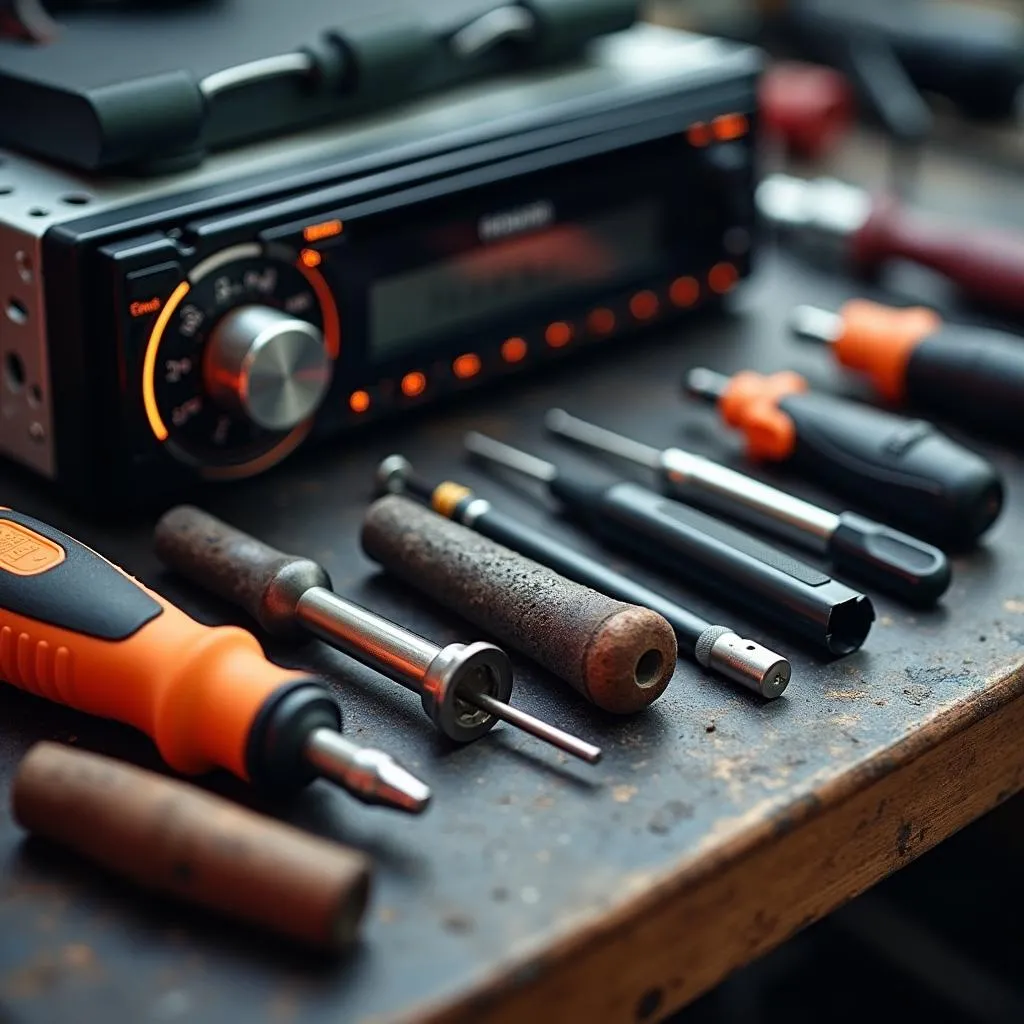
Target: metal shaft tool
(464,688)
(714,647)
(713,555)
(905,469)
(911,569)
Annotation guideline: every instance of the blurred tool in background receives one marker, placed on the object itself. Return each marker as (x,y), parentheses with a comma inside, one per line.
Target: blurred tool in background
(465,688)
(966,374)
(914,571)
(904,469)
(712,646)
(737,569)
(173,838)
(862,232)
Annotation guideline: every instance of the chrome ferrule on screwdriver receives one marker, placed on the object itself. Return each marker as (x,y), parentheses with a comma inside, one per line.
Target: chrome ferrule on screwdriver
(736,568)
(909,568)
(713,646)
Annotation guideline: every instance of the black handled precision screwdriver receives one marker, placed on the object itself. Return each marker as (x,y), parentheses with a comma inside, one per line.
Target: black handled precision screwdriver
(909,472)
(712,646)
(911,569)
(738,569)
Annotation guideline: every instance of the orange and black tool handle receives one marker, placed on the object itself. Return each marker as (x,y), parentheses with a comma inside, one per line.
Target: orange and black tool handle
(968,375)
(79,631)
(908,472)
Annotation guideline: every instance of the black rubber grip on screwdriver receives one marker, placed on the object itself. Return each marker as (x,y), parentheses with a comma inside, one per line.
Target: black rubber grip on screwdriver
(738,569)
(620,656)
(263,581)
(907,471)
(889,559)
(970,376)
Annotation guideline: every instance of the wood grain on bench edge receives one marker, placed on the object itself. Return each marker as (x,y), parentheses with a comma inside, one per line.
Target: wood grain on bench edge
(678,937)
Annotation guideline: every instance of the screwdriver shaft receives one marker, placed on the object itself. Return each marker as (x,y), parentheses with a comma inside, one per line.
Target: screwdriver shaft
(368,637)
(505,455)
(535,727)
(407,658)
(558,421)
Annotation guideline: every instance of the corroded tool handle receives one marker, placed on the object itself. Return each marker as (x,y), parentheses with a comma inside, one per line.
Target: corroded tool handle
(619,656)
(171,837)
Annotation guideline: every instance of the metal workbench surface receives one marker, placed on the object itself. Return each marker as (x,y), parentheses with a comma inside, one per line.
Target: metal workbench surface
(715,825)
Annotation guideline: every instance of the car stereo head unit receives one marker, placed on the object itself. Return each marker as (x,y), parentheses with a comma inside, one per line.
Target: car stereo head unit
(207,324)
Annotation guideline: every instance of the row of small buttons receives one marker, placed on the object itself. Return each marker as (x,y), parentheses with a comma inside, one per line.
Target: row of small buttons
(641,307)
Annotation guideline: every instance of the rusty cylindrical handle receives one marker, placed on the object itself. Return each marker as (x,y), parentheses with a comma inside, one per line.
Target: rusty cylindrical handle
(174,838)
(619,656)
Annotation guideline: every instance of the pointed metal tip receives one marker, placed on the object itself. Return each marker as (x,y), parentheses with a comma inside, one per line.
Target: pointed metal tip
(703,383)
(809,323)
(371,776)
(398,788)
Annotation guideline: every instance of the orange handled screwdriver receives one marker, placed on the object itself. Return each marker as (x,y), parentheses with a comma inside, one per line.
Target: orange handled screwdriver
(912,475)
(79,631)
(968,375)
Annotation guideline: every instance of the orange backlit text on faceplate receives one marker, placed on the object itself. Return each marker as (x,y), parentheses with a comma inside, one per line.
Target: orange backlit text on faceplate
(144,308)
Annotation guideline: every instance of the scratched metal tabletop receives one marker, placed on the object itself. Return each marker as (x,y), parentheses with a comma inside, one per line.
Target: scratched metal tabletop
(525,860)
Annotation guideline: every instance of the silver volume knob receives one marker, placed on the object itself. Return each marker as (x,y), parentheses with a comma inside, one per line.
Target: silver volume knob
(268,366)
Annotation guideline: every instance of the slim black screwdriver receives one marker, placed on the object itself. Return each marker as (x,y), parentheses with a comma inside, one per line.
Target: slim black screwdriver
(712,646)
(735,567)
(911,569)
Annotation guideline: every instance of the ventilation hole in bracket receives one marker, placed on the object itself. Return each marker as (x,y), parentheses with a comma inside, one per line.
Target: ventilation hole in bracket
(23,263)
(6,190)
(14,371)
(16,311)
(35,396)
(38,211)
(76,199)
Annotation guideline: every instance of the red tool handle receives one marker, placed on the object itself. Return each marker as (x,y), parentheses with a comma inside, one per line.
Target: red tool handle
(988,265)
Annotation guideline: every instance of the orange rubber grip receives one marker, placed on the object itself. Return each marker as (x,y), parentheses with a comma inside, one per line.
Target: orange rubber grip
(77,630)
(878,340)
(750,403)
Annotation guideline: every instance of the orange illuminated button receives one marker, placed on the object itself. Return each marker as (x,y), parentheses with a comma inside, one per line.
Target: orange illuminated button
(684,291)
(729,127)
(310,258)
(558,334)
(601,321)
(722,277)
(513,350)
(359,401)
(413,384)
(644,305)
(699,134)
(466,366)
(326,229)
